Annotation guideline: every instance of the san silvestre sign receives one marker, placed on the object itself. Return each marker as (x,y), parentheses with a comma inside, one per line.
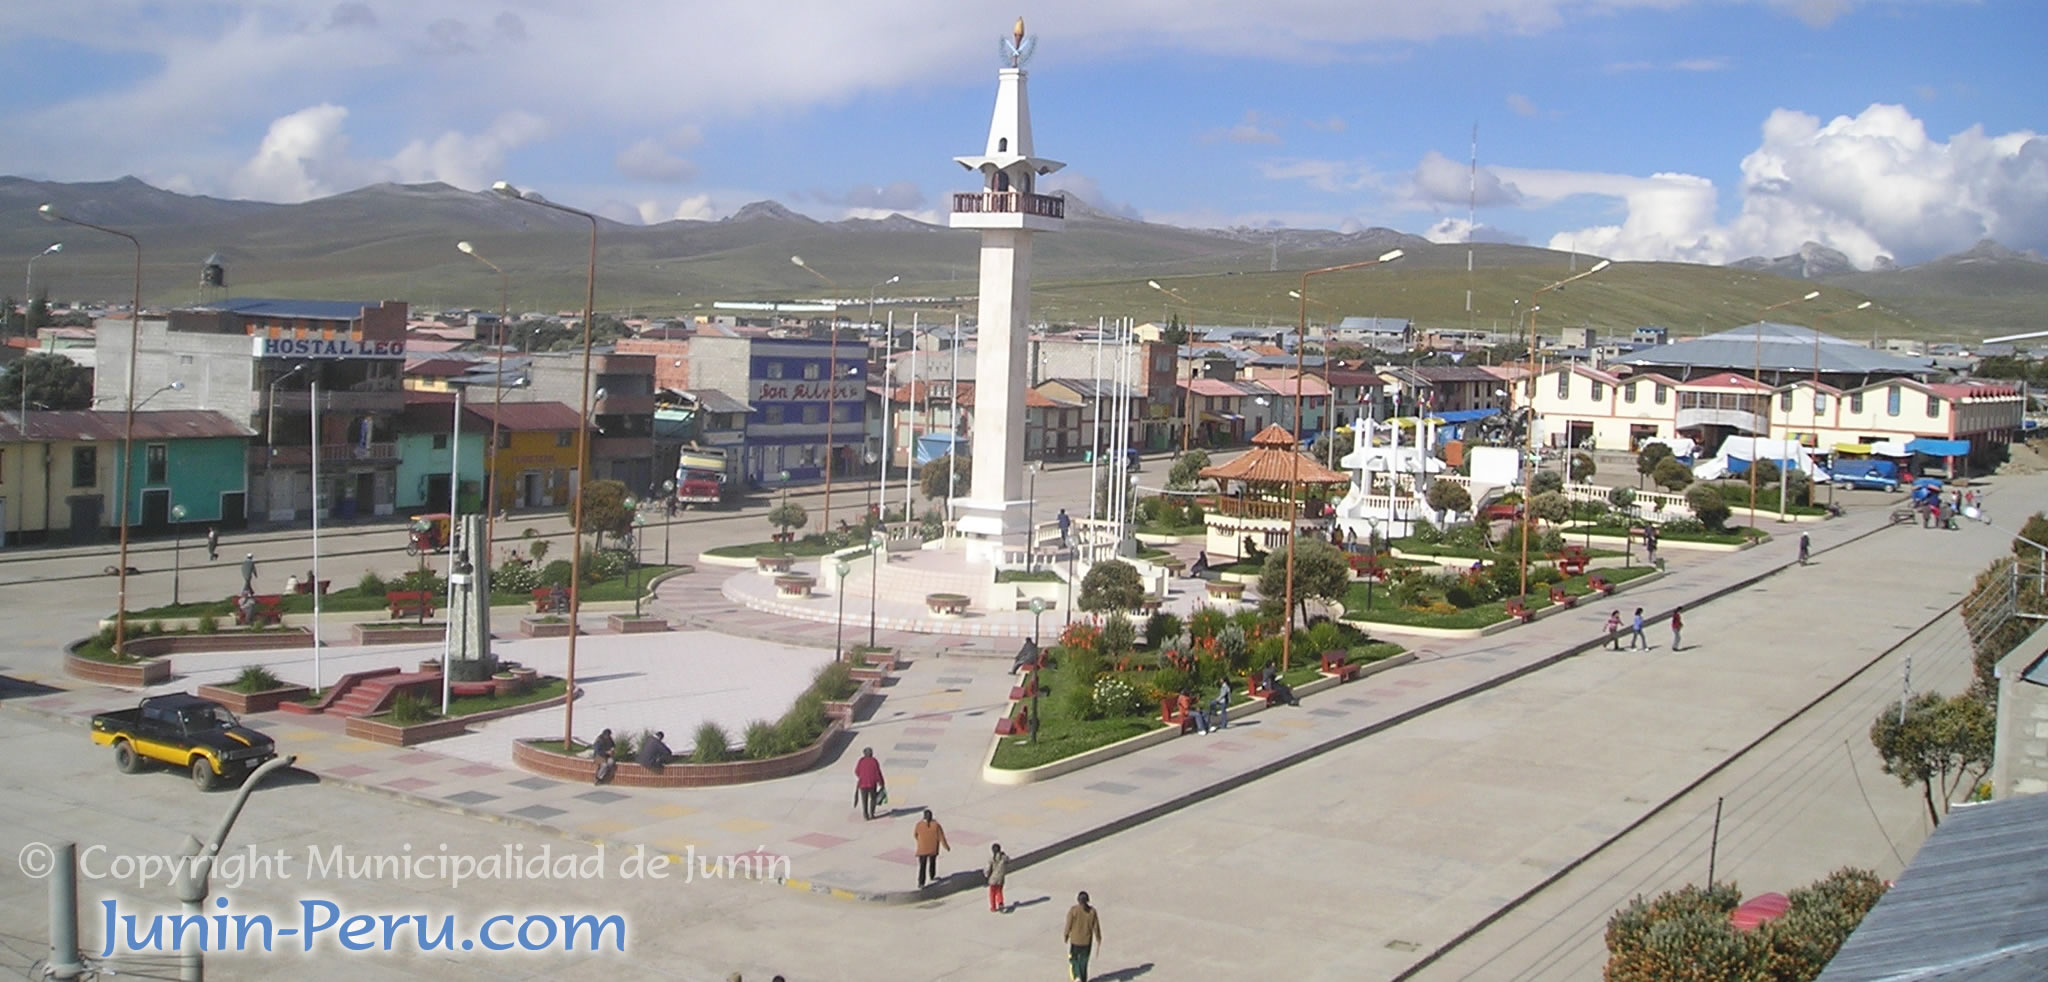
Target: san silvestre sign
(327,348)
(782,390)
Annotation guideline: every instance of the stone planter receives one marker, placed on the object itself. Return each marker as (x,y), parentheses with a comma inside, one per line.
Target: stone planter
(628,624)
(769,565)
(506,684)
(538,627)
(526,676)
(577,769)
(394,735)
(430,666)
(947,604)
(795,586)
(245,703)
(134,675)
(1225,590)
(365,634)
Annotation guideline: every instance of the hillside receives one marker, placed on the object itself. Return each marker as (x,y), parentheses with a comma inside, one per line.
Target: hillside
(398,241)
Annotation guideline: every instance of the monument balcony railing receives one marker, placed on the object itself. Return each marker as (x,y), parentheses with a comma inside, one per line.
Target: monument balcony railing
(1009,203)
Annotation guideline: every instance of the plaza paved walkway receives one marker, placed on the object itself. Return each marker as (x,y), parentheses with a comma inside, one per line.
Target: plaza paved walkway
(933,730)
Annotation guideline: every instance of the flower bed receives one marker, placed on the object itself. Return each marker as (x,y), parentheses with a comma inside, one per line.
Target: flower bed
(1442,616)
(245,703)
(630,624)
(381,728)
(545,627)
(385,632)
(530,755)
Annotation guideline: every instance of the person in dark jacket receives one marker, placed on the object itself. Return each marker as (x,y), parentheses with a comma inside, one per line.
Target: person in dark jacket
(601,752)
(654,753)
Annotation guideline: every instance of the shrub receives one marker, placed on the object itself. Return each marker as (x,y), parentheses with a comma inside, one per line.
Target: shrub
(1265,652)
(605,564)
(208,623)
(371,585)
(1116,696)
(1551,506)
(410,710)
(1165,681)
(712,745)
(1078,702)
(1582,466)
(1085,665)
(1444,496)
(763,741)
(1425,532)
(788,515)
(1231,644)
(1707,506)
(1460,596)
(1207,622)
(1325,636)
(835,682)
(1622,499)
(626,745)
(555,573)
(1468,535)
(1546,481)
(1671,474)
(539,549)
(255,678)
(803,723)
(516,577)
(1160,628)
(1545,576)
(1691,526)
(1112,585)
(1118,634)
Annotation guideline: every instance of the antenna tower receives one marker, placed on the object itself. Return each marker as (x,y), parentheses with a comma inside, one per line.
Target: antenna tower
(1471,223)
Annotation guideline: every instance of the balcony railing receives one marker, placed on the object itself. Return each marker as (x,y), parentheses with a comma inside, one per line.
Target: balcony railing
(1009,203)
(333,453)
(1256,508)
(299,401)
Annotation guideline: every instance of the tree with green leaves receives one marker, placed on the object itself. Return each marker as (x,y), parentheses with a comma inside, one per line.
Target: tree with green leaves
(1647,460)
(1671,474)
(1942,744)
(1551,506)
(1708,506)
(1545,481)
(1187,470)
(1448,497)
(1582,466)
(788,516)
(1623,500)
(54,382)
(1112,585)
(604,509)
(1320,573)
(1175,332)
(1686,933)
(931,480)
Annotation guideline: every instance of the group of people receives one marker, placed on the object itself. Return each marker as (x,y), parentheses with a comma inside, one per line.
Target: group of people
(1939,514)
(1636,638)
(653,754)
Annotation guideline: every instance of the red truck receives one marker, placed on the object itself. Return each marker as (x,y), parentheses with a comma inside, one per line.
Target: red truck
(700,477)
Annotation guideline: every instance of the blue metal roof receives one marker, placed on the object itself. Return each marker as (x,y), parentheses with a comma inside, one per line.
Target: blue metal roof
(331,310)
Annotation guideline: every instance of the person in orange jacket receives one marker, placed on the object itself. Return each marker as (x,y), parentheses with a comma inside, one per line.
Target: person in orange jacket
(930,837)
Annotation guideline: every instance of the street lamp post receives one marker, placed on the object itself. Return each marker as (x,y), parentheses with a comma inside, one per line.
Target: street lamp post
(1031,516)
(50,212)
(1037,608)
(1865,305)
(1294,464)
(1755,454)
(177,550)
(668,490)
(1529,474)
(28,290)
(842,567)
(639,526)
(582,443)
(497,397)
(878,545)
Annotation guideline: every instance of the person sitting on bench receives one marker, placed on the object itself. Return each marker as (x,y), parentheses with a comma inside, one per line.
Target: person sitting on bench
(1278,693)
(1191,717)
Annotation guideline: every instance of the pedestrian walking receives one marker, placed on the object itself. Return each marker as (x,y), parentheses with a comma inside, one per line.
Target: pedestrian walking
(1066,523)
(1650,543)
(249,573)
(212,544)
(1677,624)
(1614,629)
(930,837)
(1083,932)
(1805,547)
(868,783)
(1635,636)
(998,868)
(1220,705)
(601,752)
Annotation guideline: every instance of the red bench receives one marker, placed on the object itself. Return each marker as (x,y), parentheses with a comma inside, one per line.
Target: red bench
(1573,561)
(1599,584)
(306,586)
(1558,596)
(410,603)
(1170,713)
(1254,689)
(1337,664)
(1010,725)
(1517,610)
(269,610)
(544,600)
(1025,691)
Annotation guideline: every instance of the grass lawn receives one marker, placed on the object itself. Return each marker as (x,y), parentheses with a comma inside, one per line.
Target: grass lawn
(1731,537)
(1384,610)
(543,689)
(576,749)
(616,588)
(95,649)
(351,599)
(802,548)
(1028,576)
(1414,547)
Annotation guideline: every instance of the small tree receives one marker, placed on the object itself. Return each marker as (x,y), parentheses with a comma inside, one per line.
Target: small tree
(604,509)
(1708,506)
(1546,481)
(1671,474)
(1766,473)
(1187,471)
(1320,573)
(1582,466)
(932,479)
(788,515)
(1943,744)
(1647,460)
(1623,500)
(53,381)
(1551,506)
(1112,585)
(1119,635)
(1448,498)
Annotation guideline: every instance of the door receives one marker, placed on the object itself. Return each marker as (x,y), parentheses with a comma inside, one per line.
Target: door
(85,518)
(529,490)
(234,510)
(365,502)
(156,509)
(437,492)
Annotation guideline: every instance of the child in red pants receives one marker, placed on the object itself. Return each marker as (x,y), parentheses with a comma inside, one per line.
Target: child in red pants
(998,866)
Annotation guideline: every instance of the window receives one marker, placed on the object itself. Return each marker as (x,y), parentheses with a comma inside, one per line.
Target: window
(1599,390)
(1663,393)
(1891,401)
(1628,393)
(440,441)
(811,371)
(814,414)
(566,438)
(1933,406)
(1820,402)
(85,467)
(156,463)
(504,439)
(842,413)
(1785,401)
(1855,402)
(1564,385)
(771,415)
(774,369)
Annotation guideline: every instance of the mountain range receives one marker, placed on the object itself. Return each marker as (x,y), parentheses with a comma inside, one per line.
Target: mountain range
(398,241)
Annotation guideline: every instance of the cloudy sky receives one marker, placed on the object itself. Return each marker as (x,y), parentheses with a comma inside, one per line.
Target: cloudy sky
(1701,130)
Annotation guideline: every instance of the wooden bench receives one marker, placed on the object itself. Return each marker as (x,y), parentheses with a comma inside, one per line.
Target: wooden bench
(1149,606)
(1225,590)
(1573,562)
(1368,567)
(1170,713)
(269,610)
(1253,689)
(544,600)
(1558,596)
(306,587)
(410,603)
(783,538)
(1029,688)
(1338,664)
(1517,610)
(1600,585)
(1012,725)
(947,604)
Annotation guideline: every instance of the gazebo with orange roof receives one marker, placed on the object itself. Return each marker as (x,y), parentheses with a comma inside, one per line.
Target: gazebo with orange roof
(1272,460)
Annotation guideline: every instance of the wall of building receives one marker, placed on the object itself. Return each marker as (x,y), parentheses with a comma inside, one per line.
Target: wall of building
(533,468)
(198,473)
(216,369)
(419,460)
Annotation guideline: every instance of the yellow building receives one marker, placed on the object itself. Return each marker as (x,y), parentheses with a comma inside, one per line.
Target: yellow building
(533,463)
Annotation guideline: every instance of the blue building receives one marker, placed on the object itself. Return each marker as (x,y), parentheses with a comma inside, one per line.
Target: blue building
(807,401)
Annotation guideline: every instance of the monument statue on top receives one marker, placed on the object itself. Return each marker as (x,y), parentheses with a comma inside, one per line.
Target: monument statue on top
(1007,210)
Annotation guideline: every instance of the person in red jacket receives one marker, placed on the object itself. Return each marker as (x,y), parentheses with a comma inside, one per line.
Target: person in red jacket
(1677,625)
(868,784)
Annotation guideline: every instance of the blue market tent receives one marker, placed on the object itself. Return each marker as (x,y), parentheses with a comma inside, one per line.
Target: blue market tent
(1451,425)
(1939,448)
(934,446)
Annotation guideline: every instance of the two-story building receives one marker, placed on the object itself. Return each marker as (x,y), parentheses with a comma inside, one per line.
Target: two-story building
(430,452)
(807,402)
(533,463)
(620,390)
(61,473)
(1425,389)
(258,362)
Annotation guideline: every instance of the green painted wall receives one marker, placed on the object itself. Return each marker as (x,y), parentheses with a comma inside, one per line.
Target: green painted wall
(197,472)
(418,459)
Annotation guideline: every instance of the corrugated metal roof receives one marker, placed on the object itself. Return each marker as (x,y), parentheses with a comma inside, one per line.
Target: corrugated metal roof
(1970,905)
(100,425)
(345,310)
(1781,347)
(521,416)
(714,401)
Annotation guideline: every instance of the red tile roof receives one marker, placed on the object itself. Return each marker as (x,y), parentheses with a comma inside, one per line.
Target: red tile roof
(1729,380)
(529,416)
(1273,459)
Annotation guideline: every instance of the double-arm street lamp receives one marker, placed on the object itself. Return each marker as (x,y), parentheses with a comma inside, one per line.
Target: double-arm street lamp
(50,213)
(497,395)
(1529,473)
(582,444)
(1187,423)
(1755,442)
(1294,462)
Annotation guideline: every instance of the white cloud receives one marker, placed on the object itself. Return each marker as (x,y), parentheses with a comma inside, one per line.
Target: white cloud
(1459,230)
(928,216)
(1699,64)
(1089,190)
(1251,129)
(649,160)
(305,155)
(696,208)
(472,161)
(1440,180)
(1520,105)
(903,196)
(298,158)
(1334,124)
(1322,175)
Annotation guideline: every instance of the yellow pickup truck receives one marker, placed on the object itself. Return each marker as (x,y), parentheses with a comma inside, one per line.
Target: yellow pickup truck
(192,734)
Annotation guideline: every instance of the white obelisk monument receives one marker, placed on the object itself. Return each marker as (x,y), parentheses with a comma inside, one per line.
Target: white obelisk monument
(1007,210)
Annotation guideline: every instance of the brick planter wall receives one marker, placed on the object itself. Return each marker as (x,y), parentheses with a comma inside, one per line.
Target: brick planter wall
(133,675)
(393,735)
(532,627)
(245,703)
(845,709)
(628,624)
(181,644)
(678,775)
(363,634)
